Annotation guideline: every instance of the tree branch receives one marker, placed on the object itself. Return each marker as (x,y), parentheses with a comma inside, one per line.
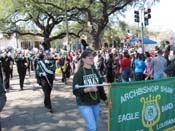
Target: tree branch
(119,7)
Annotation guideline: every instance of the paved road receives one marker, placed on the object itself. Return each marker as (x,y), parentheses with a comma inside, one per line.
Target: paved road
(24,110)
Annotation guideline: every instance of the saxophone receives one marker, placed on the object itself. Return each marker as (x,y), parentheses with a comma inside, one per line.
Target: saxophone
(65,66)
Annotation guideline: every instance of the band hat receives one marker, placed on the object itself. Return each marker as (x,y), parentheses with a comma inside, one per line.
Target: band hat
(46,52)
(160,52)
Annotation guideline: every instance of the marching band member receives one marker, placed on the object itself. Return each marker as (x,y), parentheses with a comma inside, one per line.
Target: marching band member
(21,63)
(88,98)
(45,73)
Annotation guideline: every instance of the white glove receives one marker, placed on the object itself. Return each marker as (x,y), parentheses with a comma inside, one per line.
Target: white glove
(43,74)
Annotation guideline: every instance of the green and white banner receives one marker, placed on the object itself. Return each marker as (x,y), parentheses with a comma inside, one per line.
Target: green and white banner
(142,106)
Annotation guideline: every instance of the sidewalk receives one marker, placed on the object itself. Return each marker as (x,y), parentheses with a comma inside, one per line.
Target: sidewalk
(24,110)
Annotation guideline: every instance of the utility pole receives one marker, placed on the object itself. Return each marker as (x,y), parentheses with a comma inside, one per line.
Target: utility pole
(16,37)
(67,28)
(16,41)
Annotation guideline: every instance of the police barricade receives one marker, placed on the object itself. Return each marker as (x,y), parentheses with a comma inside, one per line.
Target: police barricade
(142,106)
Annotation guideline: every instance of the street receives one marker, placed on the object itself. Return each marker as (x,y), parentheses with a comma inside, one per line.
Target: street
(24,110)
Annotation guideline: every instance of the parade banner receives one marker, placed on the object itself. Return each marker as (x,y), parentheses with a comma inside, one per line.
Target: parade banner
(142,106)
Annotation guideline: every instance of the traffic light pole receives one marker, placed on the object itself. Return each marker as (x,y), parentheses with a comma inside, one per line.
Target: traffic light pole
(142,36)
(143,19)
(139,19)
(142,31)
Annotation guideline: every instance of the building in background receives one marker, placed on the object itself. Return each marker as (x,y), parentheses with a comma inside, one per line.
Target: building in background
(23,42)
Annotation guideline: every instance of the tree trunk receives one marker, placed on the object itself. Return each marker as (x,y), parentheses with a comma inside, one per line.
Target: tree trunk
(47,41)
(96,37)
(95,42)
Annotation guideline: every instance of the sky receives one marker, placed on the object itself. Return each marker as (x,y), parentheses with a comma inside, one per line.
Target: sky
(162,16)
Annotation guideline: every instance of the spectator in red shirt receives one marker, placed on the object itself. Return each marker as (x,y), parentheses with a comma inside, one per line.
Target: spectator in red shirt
(125,67)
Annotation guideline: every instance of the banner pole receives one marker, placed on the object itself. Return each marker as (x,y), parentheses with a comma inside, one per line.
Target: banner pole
(81,86)
(109,105)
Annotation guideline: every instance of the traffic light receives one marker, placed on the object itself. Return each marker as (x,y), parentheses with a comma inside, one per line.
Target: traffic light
(147,16)
(136,16)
